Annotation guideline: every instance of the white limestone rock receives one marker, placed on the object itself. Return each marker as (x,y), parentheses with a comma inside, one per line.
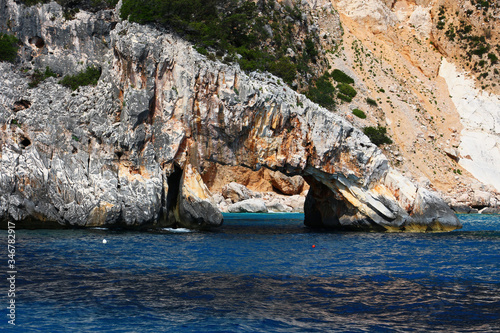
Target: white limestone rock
(480,115)
(374,14)
(277,206)
(248,206)
(236,192)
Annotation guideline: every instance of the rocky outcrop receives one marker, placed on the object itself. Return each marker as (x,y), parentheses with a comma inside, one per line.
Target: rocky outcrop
(373,13)
(491,210)
(236,192)
(287,185)
(129,151)
(195,205)
(49,39)
(248,206)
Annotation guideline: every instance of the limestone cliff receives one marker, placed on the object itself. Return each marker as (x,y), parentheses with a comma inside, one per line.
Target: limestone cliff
(129,151)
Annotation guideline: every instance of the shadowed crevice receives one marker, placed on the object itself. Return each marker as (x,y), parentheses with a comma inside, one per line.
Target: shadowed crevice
(174,182)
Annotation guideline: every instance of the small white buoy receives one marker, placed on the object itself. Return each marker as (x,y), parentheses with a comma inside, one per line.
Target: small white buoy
(104,241)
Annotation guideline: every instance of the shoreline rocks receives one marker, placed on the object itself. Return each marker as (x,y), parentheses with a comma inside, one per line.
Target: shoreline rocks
(248,206)
(249,201)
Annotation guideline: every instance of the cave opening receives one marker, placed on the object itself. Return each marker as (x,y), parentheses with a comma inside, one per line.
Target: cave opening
(174,183)
(25,142)
(21,105)
(37,41)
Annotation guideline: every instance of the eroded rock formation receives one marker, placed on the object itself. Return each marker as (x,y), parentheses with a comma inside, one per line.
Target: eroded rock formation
(129,152)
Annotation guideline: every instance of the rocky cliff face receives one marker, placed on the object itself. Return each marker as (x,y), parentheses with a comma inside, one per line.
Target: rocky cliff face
(129,151)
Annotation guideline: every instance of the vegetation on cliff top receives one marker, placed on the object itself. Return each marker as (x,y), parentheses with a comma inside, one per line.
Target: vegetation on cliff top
(341,77)
(322,91)
(262,35)
(255,35)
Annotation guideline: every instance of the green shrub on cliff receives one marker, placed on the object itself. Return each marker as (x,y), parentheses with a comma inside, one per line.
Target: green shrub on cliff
(221,24)
(344,98)
(88,77)
(33,2)
(493,58)
(371,101)
(285,69)
(341,77)
(377,135)
(480,50)
(321,92)
(311,48)
(8,47)
(347,90)
(39,76)
(359,113)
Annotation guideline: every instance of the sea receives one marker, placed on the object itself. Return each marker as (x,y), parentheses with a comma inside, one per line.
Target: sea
(256,273)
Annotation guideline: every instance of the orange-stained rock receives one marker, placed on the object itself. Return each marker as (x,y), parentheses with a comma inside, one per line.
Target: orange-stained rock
(287,185)
(195,206)
(216,176)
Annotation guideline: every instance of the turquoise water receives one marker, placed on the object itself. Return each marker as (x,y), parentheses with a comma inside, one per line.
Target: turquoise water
(258,273)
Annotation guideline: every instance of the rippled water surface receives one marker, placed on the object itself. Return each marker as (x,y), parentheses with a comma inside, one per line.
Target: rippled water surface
(259,273)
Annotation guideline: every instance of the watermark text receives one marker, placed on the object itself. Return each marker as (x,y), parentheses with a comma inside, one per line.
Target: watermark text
(11,273)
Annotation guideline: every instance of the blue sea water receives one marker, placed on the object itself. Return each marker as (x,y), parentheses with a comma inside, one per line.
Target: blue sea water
(258,273)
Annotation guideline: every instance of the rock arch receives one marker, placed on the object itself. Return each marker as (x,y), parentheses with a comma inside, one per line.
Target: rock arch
(230,118)
(161,113)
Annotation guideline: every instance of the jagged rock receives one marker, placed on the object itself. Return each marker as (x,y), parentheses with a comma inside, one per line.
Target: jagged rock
(378,209)
(216,176)
(452,153)
(480,198)
(372,13)
(420,18)
(196,208)
(236,192)
(218,198)
(464,198)
(404,190)
(295,202)
(273,201)
(114,154)
(424,181)
(248,206)
(66,46)
(433,215)
(287,185)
